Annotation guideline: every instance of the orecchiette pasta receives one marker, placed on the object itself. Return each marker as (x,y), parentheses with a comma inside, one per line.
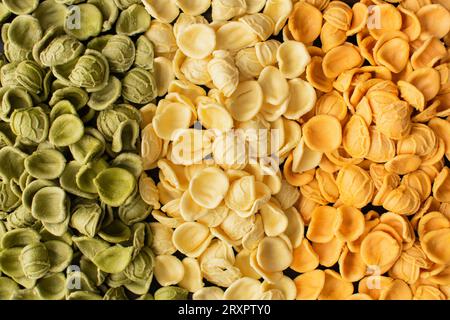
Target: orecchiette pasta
(225,149)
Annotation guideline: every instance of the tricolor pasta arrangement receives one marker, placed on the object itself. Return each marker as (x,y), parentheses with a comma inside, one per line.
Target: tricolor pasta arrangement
(225,149)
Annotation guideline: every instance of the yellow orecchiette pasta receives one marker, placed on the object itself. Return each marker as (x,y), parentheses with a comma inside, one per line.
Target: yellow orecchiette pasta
(191,238)
(197,41)
(243,289)
(292,58)
(209,187)
(274,85)
(274,254)
(168,270)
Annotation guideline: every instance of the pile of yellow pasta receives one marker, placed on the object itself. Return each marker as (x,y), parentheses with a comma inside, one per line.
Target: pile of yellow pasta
(358,122)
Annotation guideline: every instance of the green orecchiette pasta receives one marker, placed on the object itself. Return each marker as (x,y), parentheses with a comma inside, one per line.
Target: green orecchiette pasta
(89,247)
(139,86)
(4,12)
(47,236)
(91,146)
(45,164)
(9,200)
(17,54)
(144,53)
(83,295)
(130,162)
(146,296)
(8,76)
(115,294)
(120,52)
(171,293)
(68,181)
(21,120)
(52,287)
(34,260)
(125,137)
(57,229)
(91,71)
(65,130)
(87,218)
(24,32)
(135,210)
(115,232)
(123,4)
(109,11)
(19,238)
(114,259)
(60,108)
(116,280)
(139,287)
(60,255)
(31,189)
(26,294)
(141,267)
(11,163)
(14,98)
(83,21)
(50,205)
(74,75)
(48,36)
(7,288)
(21,218)
(22,6)
(50,13)
(78,281)
(76,96)
(7,137)
(133,20)
(10,262)
(61,50)
(30,76)
(87,173)
(108,122)
(115,185)
(99,43)
(63,71)
(95,275)
(106,97)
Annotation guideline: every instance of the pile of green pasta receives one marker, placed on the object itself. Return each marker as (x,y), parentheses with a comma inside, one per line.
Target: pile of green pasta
(74,75)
